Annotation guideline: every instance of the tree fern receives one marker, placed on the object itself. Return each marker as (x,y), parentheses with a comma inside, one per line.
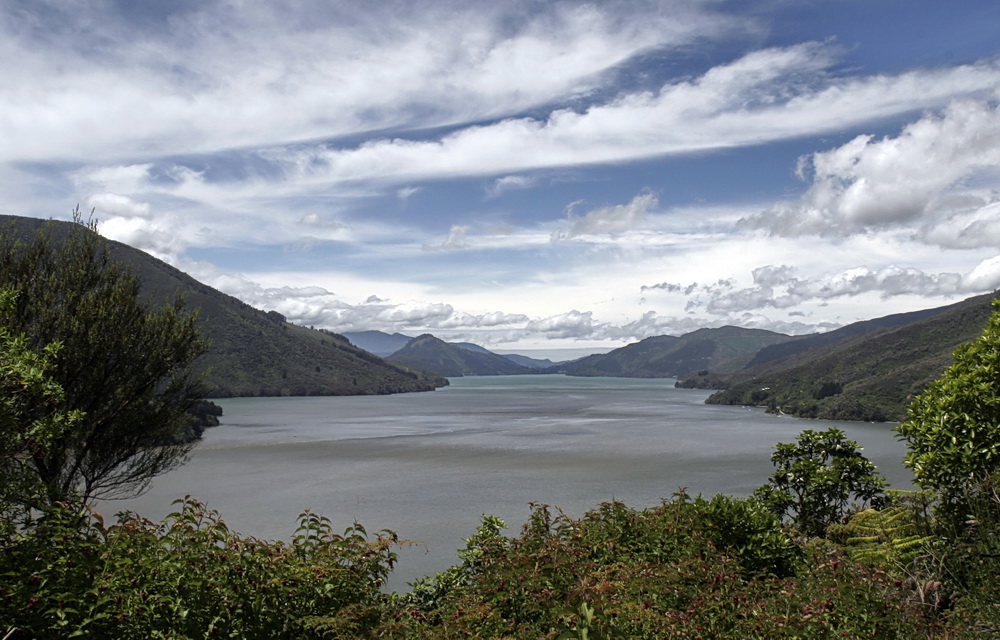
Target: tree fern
(891,537)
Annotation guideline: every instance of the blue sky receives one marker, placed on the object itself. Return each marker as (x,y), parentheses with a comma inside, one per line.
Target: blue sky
(531,176)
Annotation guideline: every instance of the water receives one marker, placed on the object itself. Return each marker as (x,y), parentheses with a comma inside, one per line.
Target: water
(427,465)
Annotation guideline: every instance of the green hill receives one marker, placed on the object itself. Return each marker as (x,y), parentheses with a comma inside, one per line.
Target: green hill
(720,350)
(253,352)
(434,354)
(869,375)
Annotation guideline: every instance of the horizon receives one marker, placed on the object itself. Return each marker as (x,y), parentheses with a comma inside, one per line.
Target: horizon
(534,177)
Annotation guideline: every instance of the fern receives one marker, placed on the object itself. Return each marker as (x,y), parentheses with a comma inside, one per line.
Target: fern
(890,537)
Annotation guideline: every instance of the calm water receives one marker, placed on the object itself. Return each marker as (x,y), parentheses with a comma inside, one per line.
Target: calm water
(428,464)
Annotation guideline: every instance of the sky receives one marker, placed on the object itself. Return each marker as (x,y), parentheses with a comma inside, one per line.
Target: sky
(536,177)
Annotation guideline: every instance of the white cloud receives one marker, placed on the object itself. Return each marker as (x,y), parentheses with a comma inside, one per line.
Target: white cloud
(572,324)
(985,277)
(116,178)
(782,287)
(158,237)
(609,220)
(759,98)
(117,205)
(223,76)
(510,183)
(871,184)
(456,239)
(405,193)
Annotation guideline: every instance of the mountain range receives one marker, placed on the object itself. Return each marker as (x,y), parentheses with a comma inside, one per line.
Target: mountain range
(719,350)
(864,371)
(428,354)
(867,370)
(434,354)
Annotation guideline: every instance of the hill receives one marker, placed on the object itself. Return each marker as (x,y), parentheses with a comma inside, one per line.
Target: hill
(720,350)
(385,344)
(378,342)
(813,341)
(864,375)
(531,363)
(434,354)
(252,352)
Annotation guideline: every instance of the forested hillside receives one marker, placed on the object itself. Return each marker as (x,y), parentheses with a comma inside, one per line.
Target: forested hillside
(720,350)
(870,375)
(253,352)
(433,354)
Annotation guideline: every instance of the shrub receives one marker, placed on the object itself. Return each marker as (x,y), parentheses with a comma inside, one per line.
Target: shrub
(187,577)
(820,480)
(952,431)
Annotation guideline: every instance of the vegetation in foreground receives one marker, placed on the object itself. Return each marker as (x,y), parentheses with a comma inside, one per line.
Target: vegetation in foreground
(820,551)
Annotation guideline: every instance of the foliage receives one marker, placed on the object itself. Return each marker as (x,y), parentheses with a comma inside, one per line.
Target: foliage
(952,433)
(187,577)
(429,592)
(751,532)
(820,480)
(892,538)
(971,564)
(720,568)
(673,571)
(25,385)
(121,363)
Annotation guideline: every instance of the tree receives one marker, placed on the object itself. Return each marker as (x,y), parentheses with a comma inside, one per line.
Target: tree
(952,430)
(821,480)
(122,365)
(25,385)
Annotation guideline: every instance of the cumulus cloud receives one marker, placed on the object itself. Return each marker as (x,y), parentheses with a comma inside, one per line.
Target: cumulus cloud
(319,307)
(609,220)
(781,287)
(456,239)
(972,222)
(117,205)
(160,237)
(870,184)
(572,324)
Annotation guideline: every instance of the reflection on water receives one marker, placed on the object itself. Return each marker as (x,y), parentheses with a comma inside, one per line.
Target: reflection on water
(427,465)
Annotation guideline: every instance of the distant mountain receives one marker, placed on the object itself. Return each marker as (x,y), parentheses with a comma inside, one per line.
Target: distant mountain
(433,354)
(722,349)
(252,352)
(531,363)
(864,373)
(468,346)
(385,344)
(378,342)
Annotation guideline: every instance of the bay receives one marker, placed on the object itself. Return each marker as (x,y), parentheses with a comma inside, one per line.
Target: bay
(428,465)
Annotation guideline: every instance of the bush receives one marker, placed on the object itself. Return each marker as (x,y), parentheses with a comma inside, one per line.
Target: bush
(820,480)
(952,431)
(187,577)
(689,568)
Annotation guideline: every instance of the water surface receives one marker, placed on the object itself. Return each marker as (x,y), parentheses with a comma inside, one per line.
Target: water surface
(427,465)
